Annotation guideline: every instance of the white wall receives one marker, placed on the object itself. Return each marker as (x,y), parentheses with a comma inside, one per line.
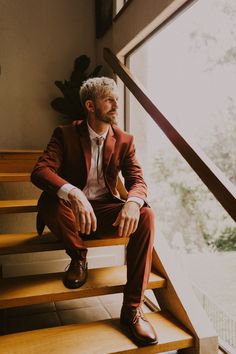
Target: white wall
(39,41)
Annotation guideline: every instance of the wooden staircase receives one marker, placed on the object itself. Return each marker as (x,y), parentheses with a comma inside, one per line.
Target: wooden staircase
(174,323)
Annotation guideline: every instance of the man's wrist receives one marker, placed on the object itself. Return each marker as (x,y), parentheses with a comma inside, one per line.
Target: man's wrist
(64,191)
(73,193)
(137,200)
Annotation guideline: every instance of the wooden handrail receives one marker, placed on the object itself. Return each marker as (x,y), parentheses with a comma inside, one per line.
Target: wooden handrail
(212,177)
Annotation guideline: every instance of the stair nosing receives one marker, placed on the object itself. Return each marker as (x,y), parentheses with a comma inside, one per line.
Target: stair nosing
(18,206)
(14,177)
(32,242)
(118,336)
(41,288)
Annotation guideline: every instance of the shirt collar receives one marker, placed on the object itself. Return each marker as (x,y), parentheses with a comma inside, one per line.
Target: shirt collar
(93,134)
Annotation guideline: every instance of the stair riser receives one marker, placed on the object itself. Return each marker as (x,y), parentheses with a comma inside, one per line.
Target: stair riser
(74,294)
(19,291)
(108,336)
(60,297)
(14,177)
(18,209)
(32,248)
(18,161)
(28,243)
(46,288)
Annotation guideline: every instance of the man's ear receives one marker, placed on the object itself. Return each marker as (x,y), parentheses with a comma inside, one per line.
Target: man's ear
(89,105)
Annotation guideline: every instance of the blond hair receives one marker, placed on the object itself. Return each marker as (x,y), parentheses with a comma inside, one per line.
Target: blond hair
(96,87)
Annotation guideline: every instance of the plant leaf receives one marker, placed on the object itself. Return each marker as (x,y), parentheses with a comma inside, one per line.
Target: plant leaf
(81,63)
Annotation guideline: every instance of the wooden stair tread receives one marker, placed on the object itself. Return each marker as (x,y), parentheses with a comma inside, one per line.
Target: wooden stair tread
(97,337)
(14,161)
(18,152)
(18,206)
(14,176)
(31,242)
(41,288)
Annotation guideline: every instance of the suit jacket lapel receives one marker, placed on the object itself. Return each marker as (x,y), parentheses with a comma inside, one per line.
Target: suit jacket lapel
(86,144)
(108,148)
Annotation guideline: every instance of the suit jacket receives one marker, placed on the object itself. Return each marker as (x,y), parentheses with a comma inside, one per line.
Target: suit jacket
(67,159)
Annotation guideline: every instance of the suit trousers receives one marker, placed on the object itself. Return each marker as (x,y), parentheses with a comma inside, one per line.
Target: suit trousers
(58,216)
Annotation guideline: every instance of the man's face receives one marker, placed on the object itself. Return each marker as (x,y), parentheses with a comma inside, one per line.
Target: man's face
(106,108)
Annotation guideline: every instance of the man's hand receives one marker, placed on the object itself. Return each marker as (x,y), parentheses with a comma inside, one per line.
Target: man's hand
(128,219)
(83,211)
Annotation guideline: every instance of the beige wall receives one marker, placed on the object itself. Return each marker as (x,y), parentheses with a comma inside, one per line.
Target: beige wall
(39,41)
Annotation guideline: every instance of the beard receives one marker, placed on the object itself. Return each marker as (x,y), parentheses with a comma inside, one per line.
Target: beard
(106,118)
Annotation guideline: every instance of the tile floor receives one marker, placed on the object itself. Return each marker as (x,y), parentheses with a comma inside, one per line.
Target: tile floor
(62,313)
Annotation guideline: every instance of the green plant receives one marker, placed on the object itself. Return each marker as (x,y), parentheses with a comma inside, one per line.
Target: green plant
(227,240)
(69,105)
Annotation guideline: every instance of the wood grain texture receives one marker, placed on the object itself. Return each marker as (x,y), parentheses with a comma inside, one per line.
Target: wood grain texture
(32,242)
(14,177)
(18,206)
(96,338)
(179,299)
(12,161)
(41,288)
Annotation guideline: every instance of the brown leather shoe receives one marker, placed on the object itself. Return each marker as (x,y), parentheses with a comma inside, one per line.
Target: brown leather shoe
(76,274)
(142,331)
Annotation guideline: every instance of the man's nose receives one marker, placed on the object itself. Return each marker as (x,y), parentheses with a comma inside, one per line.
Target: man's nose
(115,104)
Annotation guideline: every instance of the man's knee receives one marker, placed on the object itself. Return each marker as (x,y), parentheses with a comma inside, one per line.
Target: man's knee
(146,224)
(52,207)
(147,216)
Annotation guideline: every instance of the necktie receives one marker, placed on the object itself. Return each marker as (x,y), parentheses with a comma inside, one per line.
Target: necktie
(99,141)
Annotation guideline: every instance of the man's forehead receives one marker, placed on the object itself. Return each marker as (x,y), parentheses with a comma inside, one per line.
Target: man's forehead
(113,94)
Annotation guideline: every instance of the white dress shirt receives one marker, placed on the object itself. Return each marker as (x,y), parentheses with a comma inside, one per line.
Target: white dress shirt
(95,187)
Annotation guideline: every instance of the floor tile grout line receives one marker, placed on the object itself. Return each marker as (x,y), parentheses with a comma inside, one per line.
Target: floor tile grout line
(56,311)
(58,316)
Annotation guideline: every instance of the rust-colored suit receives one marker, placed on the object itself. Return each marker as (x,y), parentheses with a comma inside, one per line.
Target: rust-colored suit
(67,160)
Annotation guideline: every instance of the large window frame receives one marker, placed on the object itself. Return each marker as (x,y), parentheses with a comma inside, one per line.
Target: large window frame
(126,60)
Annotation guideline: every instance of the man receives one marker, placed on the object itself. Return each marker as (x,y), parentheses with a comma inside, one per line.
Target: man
(78,173)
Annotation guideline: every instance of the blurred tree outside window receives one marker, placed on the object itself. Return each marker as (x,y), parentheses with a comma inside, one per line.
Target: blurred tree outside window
(189,69)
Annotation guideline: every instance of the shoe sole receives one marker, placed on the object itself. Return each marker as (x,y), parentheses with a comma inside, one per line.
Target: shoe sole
(69,285)
(73,286)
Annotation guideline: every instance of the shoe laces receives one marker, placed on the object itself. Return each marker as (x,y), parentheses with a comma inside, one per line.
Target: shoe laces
(138,314)
(67,267)
(76,262)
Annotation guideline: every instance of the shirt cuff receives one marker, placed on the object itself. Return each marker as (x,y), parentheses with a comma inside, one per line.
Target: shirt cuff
(137,200)
(65,190)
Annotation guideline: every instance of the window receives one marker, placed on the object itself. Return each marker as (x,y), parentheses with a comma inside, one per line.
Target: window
(120,6)
(189,68)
